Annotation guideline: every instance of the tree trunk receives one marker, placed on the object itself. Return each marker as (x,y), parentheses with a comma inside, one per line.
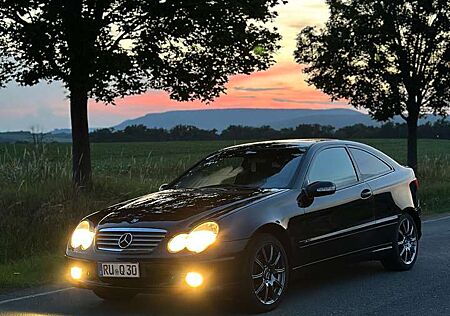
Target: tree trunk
(412,142)
(81,152)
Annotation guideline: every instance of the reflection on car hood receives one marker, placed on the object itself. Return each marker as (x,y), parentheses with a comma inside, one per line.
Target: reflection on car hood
(180,204)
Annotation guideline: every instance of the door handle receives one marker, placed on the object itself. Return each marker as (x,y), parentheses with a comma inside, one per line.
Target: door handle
(366,193)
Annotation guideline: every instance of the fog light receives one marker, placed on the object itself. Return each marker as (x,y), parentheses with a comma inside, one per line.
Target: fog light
(76,273)
(194,279)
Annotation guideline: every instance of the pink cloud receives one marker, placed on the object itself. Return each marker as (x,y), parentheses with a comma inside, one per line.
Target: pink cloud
(281,86)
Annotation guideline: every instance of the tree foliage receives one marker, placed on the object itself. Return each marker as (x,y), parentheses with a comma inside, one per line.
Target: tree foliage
(186,47)
(391,57)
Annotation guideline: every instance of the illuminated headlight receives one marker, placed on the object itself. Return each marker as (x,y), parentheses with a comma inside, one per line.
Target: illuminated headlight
(177,243)
(83,235)
(200,238)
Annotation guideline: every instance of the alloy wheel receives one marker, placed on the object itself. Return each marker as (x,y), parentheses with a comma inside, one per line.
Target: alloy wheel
(269,273)
(407,241)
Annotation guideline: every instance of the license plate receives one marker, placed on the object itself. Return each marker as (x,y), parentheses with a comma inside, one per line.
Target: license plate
(118,270)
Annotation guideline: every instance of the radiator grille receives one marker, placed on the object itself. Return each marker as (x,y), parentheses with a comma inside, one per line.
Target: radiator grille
(143,240)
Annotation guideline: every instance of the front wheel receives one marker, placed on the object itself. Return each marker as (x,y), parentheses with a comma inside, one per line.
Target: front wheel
(114,294)
(405,246)
(266,273)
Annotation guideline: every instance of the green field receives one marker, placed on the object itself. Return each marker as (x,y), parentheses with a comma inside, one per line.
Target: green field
(39,209)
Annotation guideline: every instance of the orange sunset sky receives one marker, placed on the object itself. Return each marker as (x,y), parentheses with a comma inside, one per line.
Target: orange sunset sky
(282,86)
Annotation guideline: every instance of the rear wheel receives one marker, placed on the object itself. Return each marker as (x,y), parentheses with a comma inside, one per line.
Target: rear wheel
(405,246)
(114,294)
(266,273)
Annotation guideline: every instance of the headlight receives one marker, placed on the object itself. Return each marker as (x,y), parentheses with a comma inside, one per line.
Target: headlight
(200,238)
(177,243)
(83,235)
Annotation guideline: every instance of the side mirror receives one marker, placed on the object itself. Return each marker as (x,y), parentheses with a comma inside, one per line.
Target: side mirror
(163,187)
(320,188)
(315,189)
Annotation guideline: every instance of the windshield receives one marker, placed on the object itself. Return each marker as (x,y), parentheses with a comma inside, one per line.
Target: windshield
(270,168)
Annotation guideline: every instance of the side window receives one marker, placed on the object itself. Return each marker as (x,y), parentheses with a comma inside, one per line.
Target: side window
(368,164)
(334,165)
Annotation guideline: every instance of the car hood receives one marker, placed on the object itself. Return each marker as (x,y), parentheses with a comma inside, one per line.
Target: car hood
(181,204)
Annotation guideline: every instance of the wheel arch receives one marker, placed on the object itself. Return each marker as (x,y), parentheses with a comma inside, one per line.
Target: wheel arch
(278,232)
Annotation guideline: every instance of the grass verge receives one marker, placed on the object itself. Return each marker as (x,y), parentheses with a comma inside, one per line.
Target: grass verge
(32,271)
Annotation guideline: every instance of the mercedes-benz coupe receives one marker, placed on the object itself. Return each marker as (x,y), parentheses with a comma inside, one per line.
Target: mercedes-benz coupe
(245,217)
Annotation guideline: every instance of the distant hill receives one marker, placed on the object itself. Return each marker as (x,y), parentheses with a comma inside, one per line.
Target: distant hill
(61,131)
(220,119)
(26,137)
(12,137)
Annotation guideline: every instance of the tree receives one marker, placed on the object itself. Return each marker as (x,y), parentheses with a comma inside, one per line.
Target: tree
(189,132)
(37,134)
(391,57)
(105,49)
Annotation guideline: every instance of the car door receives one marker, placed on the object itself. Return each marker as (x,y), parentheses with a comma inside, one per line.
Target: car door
(335,225)
(378,175)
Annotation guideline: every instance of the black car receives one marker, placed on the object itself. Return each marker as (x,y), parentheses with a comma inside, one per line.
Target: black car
(246,216)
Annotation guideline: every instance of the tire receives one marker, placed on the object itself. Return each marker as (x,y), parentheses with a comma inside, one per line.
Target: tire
(115,294)
(405,246)
(266,274)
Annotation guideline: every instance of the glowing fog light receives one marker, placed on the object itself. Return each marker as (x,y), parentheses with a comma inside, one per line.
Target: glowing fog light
(200,238)
(194,279)
(76,273)
(83,235)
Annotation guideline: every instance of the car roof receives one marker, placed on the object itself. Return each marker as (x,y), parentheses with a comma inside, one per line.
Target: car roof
(303,143)
(306,144)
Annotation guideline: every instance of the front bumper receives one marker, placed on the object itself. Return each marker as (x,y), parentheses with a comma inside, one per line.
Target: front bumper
(162,274)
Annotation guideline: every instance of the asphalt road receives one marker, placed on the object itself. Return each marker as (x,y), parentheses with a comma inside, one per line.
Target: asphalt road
(332,289)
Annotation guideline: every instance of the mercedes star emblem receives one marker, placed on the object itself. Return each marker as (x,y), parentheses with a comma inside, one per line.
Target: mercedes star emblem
(125,240)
